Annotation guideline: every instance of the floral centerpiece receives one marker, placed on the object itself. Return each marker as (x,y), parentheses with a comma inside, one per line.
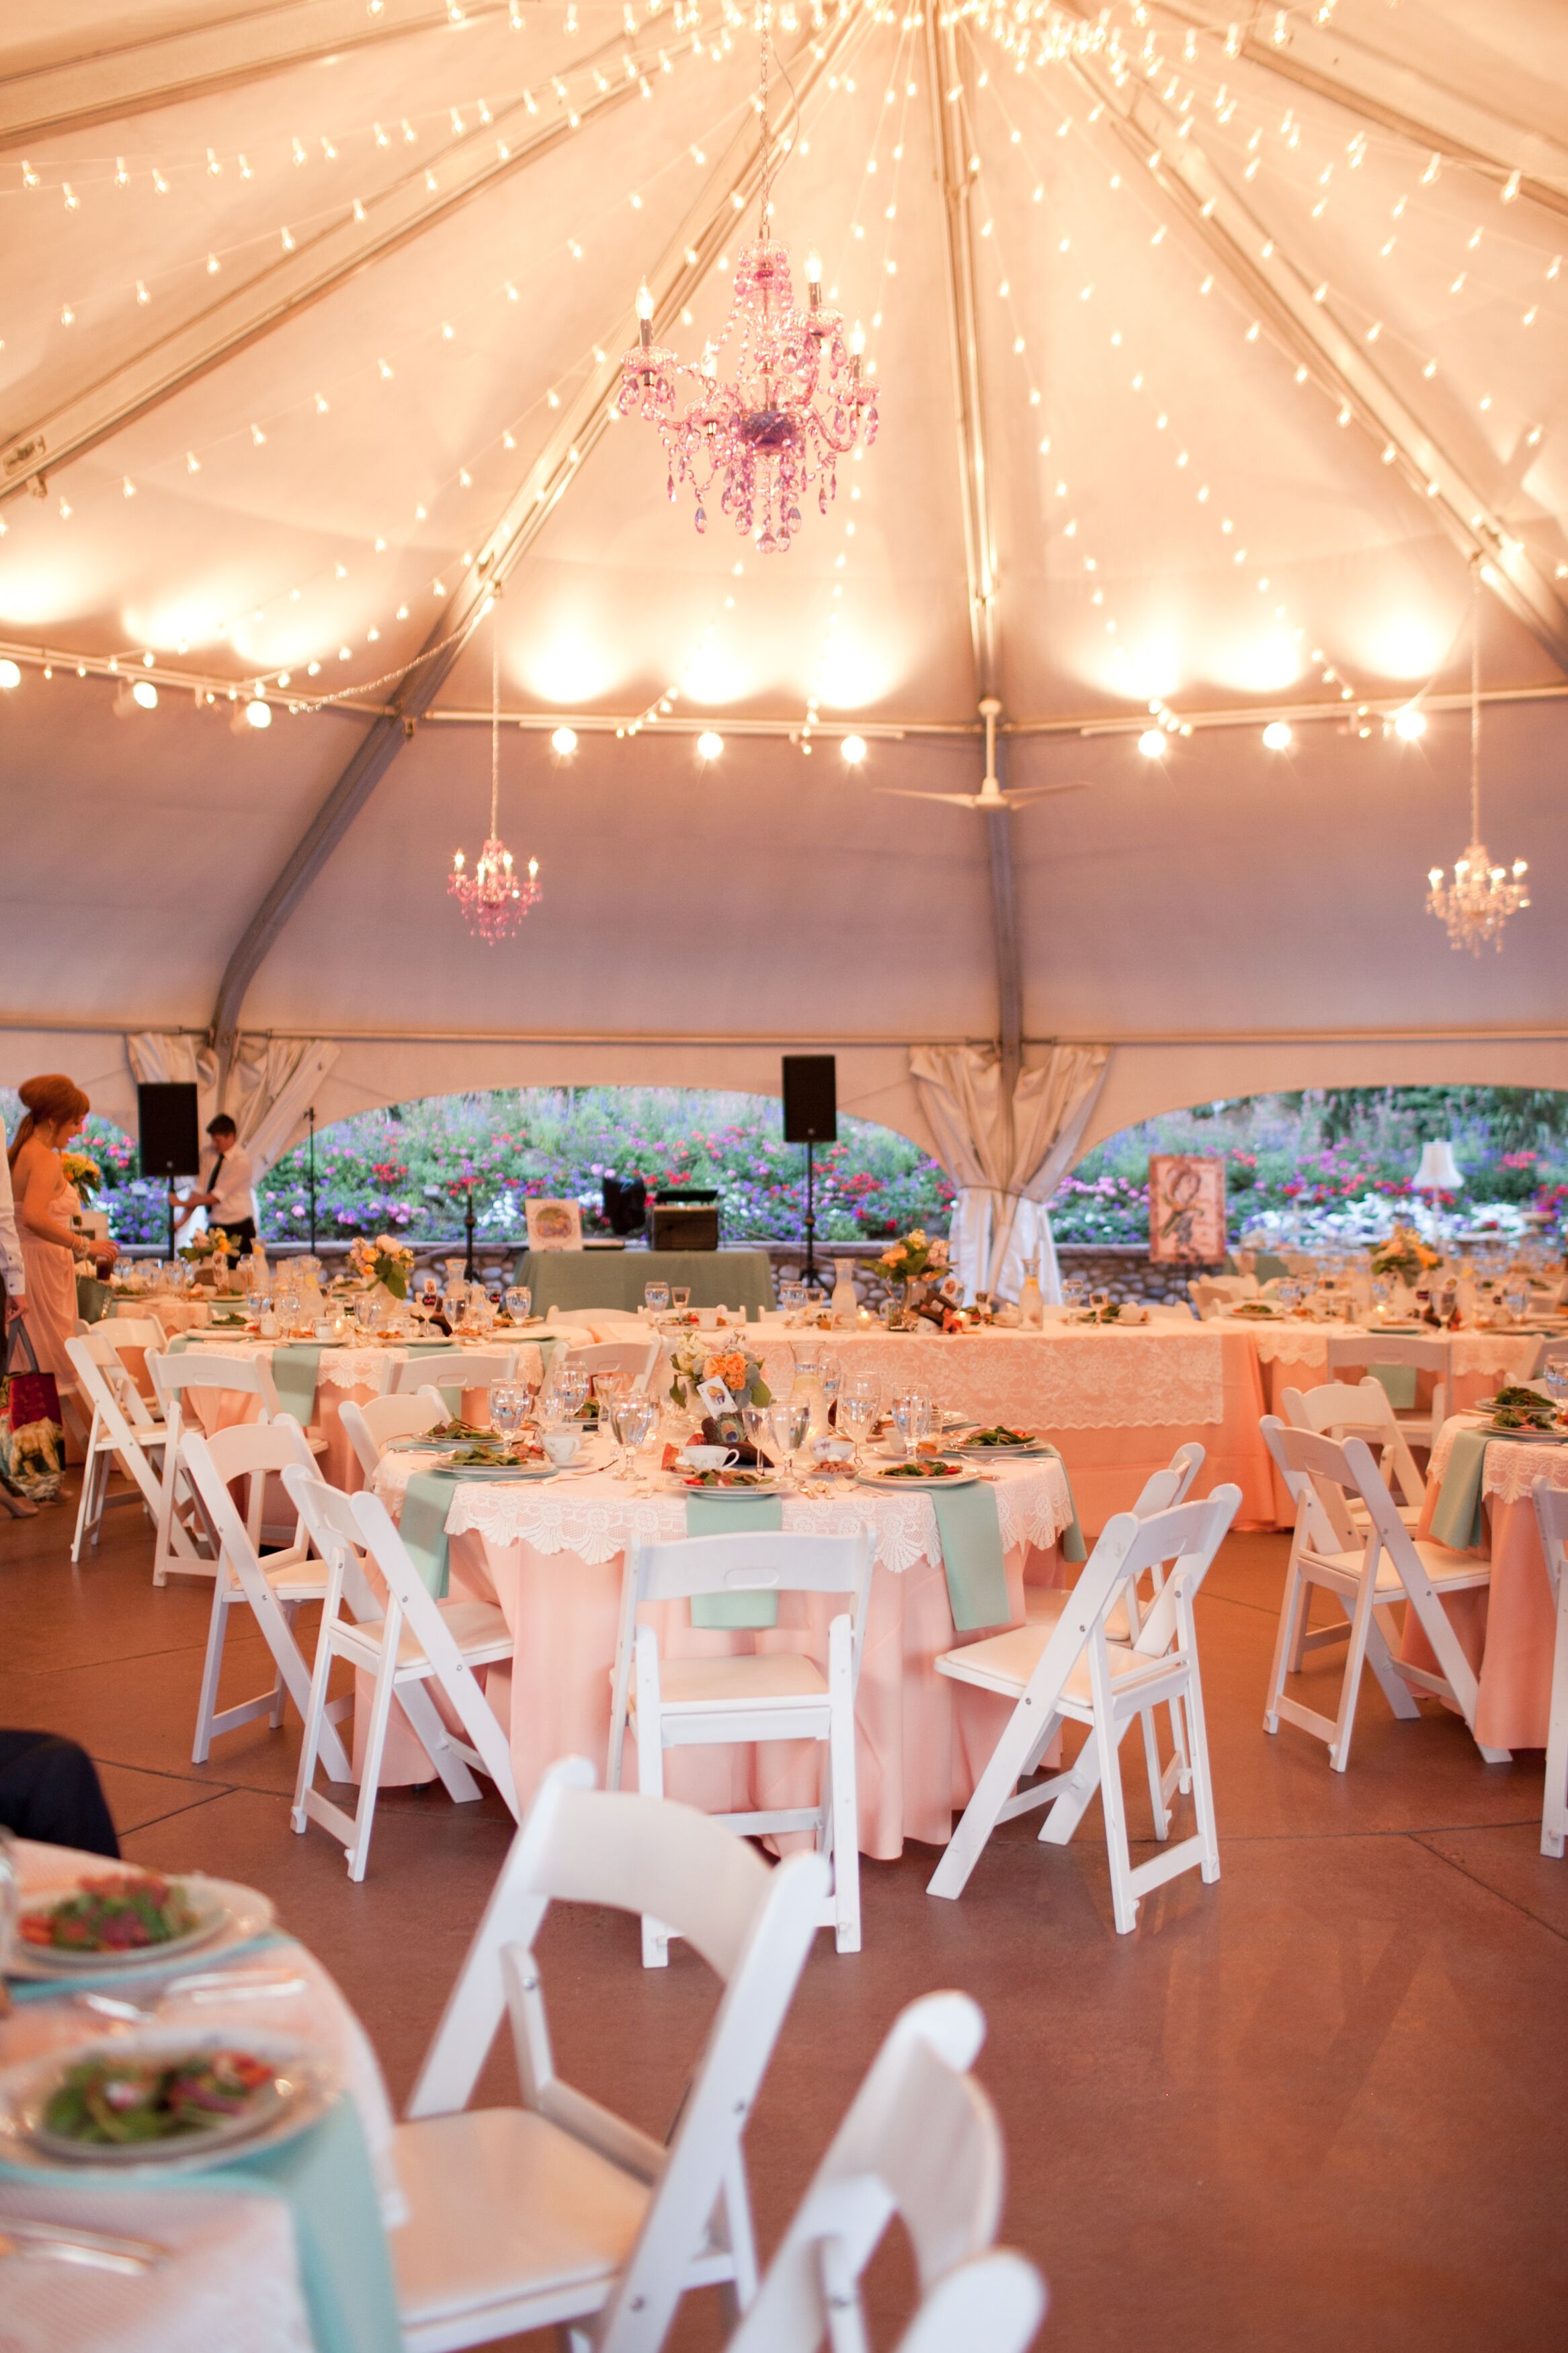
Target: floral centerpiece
(696,1361)
(80,1170)
(213,1243)
(1405,1254)
(914,1256)
(383,1261)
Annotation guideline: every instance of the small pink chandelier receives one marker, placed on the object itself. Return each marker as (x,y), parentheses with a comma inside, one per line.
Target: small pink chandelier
(795,404)
(494,897)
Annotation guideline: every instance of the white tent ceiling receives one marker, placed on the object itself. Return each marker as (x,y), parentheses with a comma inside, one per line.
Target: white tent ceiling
(267,431)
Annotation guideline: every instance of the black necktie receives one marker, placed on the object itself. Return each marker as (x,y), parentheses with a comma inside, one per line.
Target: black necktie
(217,1171)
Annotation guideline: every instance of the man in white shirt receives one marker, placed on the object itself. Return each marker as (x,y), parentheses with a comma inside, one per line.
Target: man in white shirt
(228,1194)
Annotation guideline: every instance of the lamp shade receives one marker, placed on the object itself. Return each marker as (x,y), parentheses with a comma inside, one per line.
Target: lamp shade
(1438,1172)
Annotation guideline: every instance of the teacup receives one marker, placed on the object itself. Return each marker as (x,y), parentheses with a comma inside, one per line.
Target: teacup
(562,1446)
(832,1449)
(326,1327)
(709,1458)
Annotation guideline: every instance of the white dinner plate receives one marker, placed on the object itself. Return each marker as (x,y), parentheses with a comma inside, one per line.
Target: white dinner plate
(226,1910)
(894,1476)
(304,2083)
(496,1472)
(731,1494)
(1525,1437)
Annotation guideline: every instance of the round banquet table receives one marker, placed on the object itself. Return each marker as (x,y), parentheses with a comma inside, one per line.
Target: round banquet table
(232,2276)
(551,1552)
(1507,1631)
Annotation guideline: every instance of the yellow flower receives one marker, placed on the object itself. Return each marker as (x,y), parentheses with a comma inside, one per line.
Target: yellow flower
(916,1237)
(895,1256)
(730,1368)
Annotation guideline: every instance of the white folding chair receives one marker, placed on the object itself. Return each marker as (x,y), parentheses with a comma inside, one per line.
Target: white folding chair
(450,1369)
(1368,1569)
(1419,1425)
(763,1695)
(1169,1310)
(1211,1294)
(123,1431)
(407,1640)
(560,2210)
(1076,1674)
(181,1541)
(273,1588)
(1340,1410)
(637,1359)
(1552,1519)
(919,2140)
(373,1426)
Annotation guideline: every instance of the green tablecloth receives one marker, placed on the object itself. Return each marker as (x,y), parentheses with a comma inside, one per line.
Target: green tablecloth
(563,1280)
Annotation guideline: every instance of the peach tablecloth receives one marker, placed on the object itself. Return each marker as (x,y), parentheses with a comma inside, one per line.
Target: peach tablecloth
(923,1740)
(1507,1631)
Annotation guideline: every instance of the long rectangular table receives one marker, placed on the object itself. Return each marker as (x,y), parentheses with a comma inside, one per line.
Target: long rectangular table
(563,1280)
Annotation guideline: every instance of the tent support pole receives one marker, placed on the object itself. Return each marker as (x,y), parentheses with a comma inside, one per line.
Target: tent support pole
(951,137)
(680,273)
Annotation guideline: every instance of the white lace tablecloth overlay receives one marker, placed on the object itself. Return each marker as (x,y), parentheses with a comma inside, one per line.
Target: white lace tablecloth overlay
(1508,1356)
(233,2280)
(1511,1471)
(371,1368)
(1086,1379)
(595,1518)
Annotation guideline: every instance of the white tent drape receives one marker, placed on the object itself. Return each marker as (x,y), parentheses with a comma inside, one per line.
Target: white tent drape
(270,1086)
(1007,1156)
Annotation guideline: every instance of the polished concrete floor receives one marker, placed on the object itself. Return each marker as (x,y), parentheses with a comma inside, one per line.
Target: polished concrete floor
(1322,2104)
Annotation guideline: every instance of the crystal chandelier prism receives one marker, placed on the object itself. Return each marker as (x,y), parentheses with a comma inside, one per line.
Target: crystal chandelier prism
(1478,902)
(794,401)
(495,898)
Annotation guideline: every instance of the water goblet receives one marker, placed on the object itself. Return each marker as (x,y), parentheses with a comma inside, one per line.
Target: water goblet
(792,1296)
(655,1298)
(756,1421)
(564,1396)
(508,1403)
(608,1388)
(633,1417)
(830,1379)
(791,1419)
(518,1301)
(913,1413)
(368,1311)
(860,1402)
(815,1297)
(1516,1298)
(1074,1291)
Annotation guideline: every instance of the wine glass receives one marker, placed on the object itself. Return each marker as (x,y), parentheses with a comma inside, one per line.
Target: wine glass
(1074,1291)
(368,1311)
(756,1421)
(912,1411)
(830,1379)
(1516,1298)
(608,1389)
(792,1297)
(655,1298)
(860,1402)
(681,1297)
(1554,1380)
(519,1303)
(508,1403)
(632,1420)
(791,1419)
(565,1395)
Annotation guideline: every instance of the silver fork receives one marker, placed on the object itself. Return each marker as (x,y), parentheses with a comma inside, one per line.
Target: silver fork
(63,2243)
(210,1986)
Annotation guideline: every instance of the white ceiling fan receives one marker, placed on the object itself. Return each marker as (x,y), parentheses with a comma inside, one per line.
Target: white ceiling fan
(991,795)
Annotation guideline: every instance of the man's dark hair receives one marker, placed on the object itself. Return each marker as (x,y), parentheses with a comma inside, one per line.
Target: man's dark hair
(222,1125)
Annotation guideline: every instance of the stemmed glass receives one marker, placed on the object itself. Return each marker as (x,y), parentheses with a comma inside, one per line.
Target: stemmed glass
(913,1413)
(655,1298)
(791,1420)
(681,1297)
(565,1395)
(632,1420)
(1554,1380)
(757,1422)
(1074,1291)
(792,1297)
(1516,1298)
(367,1312)
(519,1303)
(508,1404)
(608,1390)
(860,1402)
(829,1379)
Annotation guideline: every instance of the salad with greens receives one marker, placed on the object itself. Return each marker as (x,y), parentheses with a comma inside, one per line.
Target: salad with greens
(1515,1407)
(121,1913)
(106,2101)
(1000,1435)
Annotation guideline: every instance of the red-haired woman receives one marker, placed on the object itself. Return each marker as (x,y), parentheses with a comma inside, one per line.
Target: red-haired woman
(46,1204)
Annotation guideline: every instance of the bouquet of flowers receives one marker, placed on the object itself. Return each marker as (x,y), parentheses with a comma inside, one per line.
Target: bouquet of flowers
(696,1361)
(211,1244)
(916,1256)
(1403,1254)
(383,1261)
(82,1172)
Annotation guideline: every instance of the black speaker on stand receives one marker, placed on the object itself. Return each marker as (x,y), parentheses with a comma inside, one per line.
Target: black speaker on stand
(810,1117)
(168,1138)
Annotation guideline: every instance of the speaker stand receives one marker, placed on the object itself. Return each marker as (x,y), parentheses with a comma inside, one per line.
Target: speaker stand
(810,1220)
(311,1117)
(471,1273)
(169,1189)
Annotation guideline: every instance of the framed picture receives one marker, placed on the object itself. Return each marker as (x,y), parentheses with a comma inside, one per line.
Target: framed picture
(1187,1209)
(554,1225)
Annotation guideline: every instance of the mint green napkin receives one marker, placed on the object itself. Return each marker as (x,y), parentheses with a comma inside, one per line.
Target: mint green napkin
(970,1532)
(294,1370)
(426,1500)
(1399,1382)
(1072,1543)
(324,2176)
(1458,1517)
(707,1517)
(62,1989)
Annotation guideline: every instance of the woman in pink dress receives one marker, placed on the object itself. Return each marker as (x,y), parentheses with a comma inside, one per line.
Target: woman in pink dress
(46,1204)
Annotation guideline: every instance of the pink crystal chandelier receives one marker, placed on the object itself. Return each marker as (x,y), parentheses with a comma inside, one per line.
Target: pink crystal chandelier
(495,898)
(796,399)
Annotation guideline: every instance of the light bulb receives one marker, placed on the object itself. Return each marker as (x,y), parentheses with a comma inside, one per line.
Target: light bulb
(10,675)
(564,742)
(258,712)
(853,749)
(857,339)
(1410,723)
(644,303)
(145,693)
(1277,735)
(708,745)
(1151,742)
(814,269)
(1435,876)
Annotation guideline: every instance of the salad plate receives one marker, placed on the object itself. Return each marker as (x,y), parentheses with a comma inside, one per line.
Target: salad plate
(729,1484)
(932,1473)
(130,1921)
(998,1440)
(162,2100)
